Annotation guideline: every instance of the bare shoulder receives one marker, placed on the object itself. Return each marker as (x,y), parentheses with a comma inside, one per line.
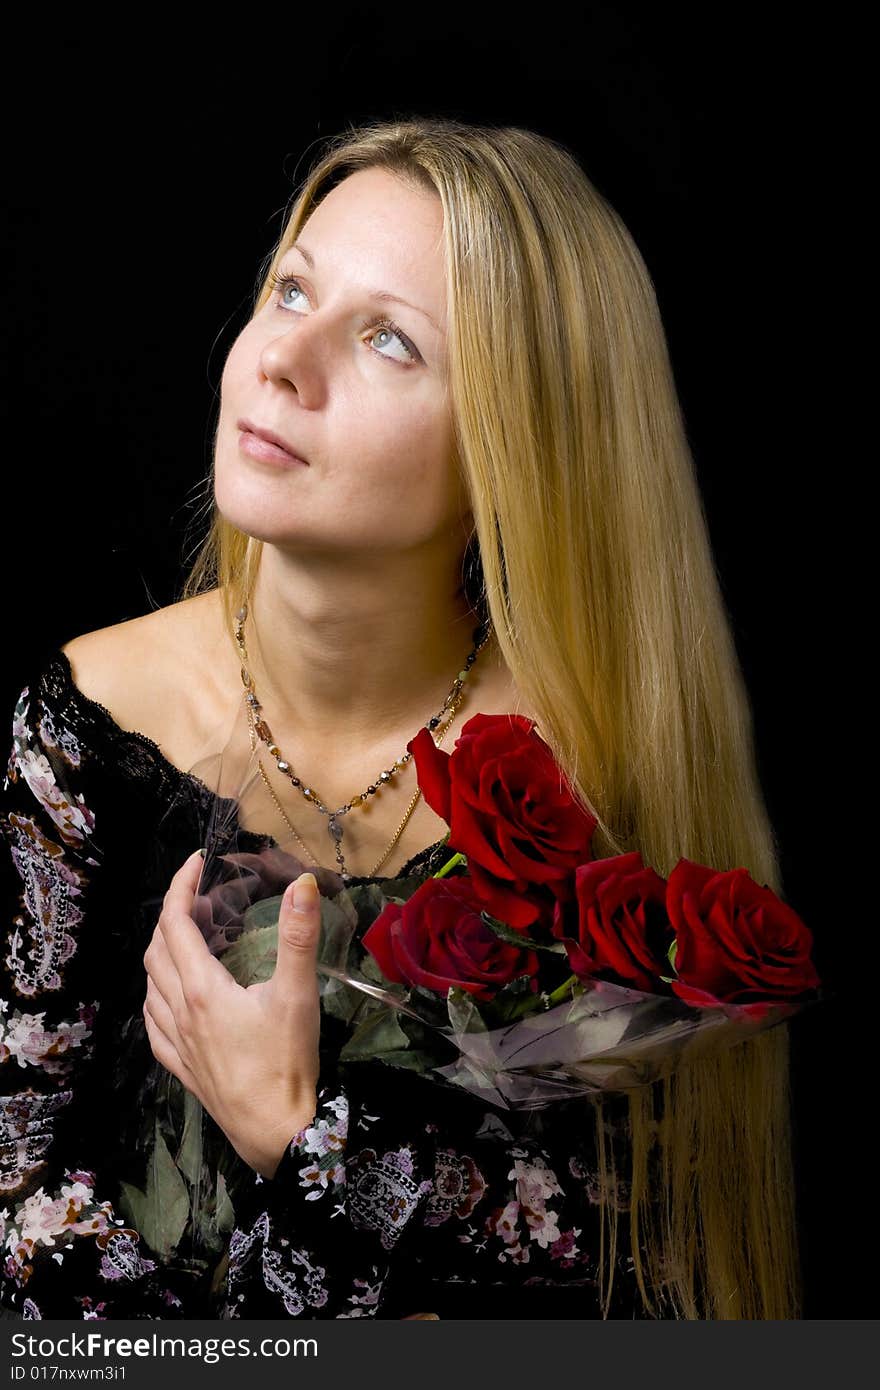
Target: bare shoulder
(147,671)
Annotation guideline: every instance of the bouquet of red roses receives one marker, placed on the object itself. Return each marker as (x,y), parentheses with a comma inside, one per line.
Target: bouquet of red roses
(524,969)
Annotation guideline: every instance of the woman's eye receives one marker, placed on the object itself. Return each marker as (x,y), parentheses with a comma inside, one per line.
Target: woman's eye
(381,328)
(285,285)
(385,330)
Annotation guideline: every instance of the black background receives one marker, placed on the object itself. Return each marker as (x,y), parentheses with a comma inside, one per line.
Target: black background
(147,176)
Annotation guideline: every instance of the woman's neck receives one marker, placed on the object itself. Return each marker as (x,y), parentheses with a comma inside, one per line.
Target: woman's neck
(347,655)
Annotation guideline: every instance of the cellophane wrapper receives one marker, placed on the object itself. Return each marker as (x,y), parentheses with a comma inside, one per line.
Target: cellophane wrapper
(608,1037)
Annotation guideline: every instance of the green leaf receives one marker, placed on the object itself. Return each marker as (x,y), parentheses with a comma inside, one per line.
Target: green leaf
(510,1002)
(672,952)
(379,1034)
(349,1003)
(252,958)
(371,971)
(225,1216)
(518,938)
(160,1214)
(413,1061)
(339,922)
(367,901)
(430,1005)
(464,1014)
(189,1156)
(262,914)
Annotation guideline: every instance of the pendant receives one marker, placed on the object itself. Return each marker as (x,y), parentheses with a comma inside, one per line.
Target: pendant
(334,829)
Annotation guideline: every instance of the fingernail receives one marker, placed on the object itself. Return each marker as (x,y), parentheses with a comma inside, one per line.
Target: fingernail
(305,890)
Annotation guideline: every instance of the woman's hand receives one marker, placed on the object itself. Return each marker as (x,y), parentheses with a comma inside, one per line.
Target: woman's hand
(250,1055)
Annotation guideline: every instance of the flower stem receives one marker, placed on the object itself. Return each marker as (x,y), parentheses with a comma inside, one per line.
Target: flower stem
(533,1002)
(561,991)
(450,864)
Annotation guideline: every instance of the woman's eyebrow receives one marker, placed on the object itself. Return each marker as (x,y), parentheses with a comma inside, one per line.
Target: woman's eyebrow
(373,294)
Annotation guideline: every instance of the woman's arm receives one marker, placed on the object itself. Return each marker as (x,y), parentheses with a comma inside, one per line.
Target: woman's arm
(67,1253)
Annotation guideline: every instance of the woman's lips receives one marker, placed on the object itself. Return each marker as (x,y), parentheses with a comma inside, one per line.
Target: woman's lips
(261,449)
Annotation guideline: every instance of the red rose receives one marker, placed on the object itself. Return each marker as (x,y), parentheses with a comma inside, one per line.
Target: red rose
(437,938)
(617,922)
(737,941)
(509,810)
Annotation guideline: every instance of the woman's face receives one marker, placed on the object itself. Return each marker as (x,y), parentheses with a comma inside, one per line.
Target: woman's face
(365,404)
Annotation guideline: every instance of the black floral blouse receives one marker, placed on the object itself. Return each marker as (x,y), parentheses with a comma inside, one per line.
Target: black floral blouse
(403,1195)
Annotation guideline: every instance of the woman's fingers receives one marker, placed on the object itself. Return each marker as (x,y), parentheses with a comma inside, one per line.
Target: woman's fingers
(299,931)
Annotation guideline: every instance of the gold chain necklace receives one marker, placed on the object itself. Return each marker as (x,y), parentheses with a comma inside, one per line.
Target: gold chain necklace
(260,730)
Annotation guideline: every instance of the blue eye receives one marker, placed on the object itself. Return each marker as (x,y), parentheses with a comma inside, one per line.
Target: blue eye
(381,324)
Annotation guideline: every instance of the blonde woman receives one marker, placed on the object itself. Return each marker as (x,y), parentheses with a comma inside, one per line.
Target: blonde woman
(449,426)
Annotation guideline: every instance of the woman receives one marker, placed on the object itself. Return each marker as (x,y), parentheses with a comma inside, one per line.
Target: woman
(509,449)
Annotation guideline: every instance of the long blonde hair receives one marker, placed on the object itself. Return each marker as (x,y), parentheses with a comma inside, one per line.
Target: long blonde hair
(605,601)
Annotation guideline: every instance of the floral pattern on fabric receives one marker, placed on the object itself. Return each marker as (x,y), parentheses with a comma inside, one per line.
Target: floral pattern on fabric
(324,1141)
(384,1191)
(25,1037)
(72,817)
(293,1276)
(26,1131)
(43,939)
(47,1221)
(458,1186)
